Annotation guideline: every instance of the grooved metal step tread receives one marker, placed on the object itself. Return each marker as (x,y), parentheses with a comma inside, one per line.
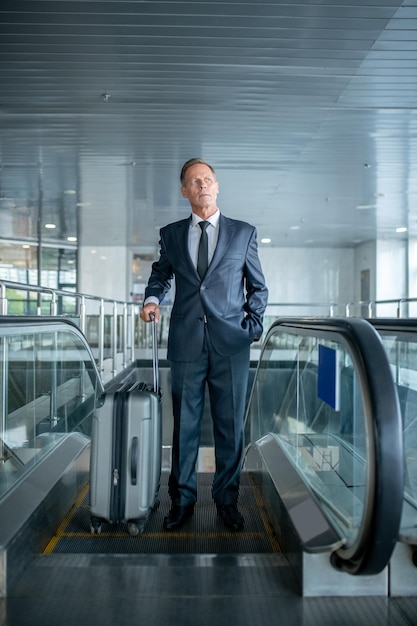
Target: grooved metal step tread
(204,533)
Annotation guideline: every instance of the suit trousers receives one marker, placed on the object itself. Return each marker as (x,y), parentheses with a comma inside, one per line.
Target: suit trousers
(227,379)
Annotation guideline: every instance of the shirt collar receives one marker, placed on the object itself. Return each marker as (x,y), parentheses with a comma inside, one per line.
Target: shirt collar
(213,219)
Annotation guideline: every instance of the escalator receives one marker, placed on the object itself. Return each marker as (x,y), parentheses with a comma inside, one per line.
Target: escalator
(317,478)
(399,338)
(325,425)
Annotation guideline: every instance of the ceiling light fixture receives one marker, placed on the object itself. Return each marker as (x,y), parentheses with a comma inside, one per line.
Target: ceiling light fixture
(266,240)
(401,229)
(50,226)
(71,238)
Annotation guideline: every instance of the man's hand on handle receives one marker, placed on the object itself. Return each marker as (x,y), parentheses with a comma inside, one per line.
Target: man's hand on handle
(147,310)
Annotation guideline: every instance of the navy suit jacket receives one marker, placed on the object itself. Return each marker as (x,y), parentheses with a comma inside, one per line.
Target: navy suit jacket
(231,299)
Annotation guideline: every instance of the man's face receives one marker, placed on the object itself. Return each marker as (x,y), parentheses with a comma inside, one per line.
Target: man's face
(201,189)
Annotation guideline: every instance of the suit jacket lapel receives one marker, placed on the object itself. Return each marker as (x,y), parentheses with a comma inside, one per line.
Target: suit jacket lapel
(226,229)
(182,245)
(225,235)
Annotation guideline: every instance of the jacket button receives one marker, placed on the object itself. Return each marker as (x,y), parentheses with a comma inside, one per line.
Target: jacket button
(202,288)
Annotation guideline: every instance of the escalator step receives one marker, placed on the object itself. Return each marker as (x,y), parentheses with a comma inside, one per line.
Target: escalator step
(204,533)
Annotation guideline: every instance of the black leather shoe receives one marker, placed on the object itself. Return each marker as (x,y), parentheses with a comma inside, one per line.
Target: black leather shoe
(177,516)
(231,517)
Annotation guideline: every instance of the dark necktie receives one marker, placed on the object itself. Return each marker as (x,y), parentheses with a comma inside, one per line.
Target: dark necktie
(202,260)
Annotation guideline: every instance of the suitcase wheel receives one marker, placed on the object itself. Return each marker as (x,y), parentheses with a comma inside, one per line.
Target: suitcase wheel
(135,529)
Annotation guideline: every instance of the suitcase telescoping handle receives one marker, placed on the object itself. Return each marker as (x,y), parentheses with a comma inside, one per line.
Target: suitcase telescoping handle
(134,458)
(155,365)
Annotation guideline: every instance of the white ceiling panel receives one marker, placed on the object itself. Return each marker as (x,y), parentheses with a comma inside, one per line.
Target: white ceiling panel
(306,109)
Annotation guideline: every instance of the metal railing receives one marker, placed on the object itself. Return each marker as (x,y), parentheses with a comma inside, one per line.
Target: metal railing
(115,332)
(110,326)
(396,307)
(400,307)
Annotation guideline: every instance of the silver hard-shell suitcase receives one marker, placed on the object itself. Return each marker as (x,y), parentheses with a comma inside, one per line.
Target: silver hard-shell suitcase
(126,451)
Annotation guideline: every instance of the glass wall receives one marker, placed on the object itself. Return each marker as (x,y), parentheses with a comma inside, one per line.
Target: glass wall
(49,386)
(19,263)
(307,393)
(39,226)
(401,349)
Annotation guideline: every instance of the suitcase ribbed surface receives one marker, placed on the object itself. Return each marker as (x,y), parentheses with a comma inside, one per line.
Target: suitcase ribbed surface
(204,533)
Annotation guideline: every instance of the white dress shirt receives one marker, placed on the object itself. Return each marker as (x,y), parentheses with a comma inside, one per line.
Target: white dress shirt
(194,235)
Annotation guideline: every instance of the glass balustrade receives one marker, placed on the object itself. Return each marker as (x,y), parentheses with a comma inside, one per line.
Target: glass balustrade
(326,394)
(399,338)
(49,386)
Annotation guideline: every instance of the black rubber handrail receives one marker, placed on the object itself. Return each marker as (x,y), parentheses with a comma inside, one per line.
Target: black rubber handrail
(375,542)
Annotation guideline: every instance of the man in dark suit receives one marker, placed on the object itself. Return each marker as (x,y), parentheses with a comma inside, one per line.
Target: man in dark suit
(217,314)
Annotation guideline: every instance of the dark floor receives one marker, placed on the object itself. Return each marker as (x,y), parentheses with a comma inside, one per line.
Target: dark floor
(202,590)
(241,580)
